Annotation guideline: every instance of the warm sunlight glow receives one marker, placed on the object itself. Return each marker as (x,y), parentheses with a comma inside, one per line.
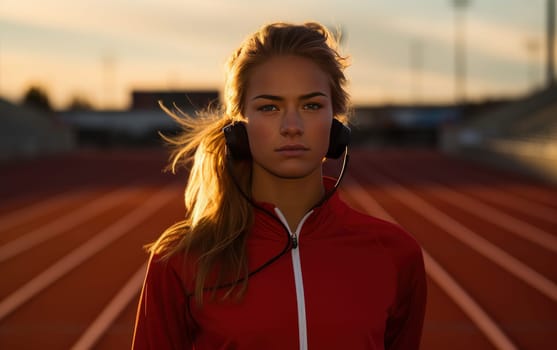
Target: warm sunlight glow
(400,51)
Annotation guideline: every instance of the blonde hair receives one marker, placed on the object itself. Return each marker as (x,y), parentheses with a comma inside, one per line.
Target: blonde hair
(213,234)
(310,40)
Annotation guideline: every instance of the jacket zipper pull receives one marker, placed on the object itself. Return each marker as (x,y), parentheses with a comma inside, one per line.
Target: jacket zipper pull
(294,242)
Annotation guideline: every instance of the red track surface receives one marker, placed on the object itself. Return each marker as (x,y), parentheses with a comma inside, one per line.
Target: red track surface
(72,229)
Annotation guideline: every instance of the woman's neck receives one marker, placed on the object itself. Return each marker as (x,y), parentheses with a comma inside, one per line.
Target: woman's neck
(294,197)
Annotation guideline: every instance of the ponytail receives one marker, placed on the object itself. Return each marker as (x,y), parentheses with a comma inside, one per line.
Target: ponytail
(217,219)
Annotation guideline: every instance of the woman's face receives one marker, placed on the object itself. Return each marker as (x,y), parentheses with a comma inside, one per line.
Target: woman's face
(289,114)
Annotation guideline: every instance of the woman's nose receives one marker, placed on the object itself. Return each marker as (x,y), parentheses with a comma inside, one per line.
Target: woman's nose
(291,123)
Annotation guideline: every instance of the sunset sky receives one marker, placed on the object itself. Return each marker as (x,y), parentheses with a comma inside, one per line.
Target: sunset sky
(400,50)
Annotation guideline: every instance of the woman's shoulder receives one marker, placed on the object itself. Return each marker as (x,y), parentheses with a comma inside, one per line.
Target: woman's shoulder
(169,267)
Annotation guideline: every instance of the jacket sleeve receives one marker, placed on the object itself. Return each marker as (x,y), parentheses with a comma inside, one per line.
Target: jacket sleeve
(161,320)
(404,326)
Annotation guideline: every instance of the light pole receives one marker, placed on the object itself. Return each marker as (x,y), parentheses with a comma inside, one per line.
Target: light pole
(533,47)
(460,51)
(108,65)
(550,42)
(416,67)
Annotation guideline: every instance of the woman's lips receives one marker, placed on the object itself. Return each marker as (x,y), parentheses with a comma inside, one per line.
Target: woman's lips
(292,150)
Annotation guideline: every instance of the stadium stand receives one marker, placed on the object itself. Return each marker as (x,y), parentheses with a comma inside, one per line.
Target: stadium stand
(26,132)
(520,136)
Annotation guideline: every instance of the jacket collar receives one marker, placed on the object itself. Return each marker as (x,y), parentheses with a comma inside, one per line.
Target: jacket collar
(267,221)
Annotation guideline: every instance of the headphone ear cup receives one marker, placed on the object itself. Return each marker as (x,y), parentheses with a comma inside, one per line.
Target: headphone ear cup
(338,140)
(237,140)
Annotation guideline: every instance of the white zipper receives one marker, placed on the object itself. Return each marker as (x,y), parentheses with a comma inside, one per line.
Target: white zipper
(298,280)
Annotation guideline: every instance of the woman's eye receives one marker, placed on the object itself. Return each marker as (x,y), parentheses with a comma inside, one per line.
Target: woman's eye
(268,108)
(312,106)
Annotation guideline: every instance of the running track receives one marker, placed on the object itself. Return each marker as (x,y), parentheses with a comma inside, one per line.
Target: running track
(72,229)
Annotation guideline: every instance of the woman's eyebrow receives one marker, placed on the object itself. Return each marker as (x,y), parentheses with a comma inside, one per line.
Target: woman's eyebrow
(311,95)
(279,98)
(268,97)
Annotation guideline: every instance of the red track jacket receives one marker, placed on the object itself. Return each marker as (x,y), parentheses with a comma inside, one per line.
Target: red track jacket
(353,282)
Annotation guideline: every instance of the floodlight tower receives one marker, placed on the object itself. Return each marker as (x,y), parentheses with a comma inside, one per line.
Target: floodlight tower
(550,42)
(533,48)
(460,51)
(108,61)
(416,66)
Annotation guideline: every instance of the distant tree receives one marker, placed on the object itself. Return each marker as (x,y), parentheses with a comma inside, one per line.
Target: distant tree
(36,97)
(79,103)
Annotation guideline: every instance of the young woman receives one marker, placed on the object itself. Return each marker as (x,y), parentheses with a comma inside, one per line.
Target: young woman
(268,255)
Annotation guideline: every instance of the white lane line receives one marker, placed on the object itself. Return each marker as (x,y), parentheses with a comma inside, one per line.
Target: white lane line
(497,217)
(109,314)
(470,238)
(466,303)
(546,197)
(28,213)
(525,206)
(85,251)
(439,275)
(63,223)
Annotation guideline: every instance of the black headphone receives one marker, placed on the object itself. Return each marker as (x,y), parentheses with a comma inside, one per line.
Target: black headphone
(238,144)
